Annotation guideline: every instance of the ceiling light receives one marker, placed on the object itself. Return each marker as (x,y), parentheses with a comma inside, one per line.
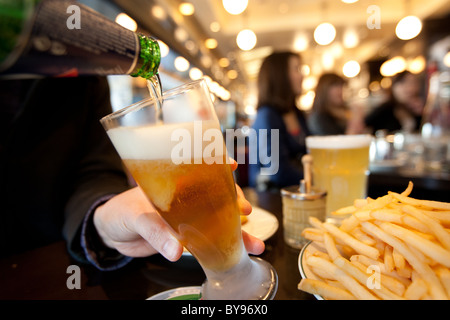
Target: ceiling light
(208,80)
(324,33)
(214,26)
(307,100)
(195,74)
(417,65)
(206,61)
(393,66)
(309,83)
(447,59)
(374,86)
(409,27)
(211,43)
(164,49)
(213,86)
(224,62)
(327,61)
(126,21)
(191,46)
(351,38)
(250,110)
(306,70)
(221,92)
(336,50)
(232,74)
(351,69)
(225,95)
(246,39)
(186,8)
(180,34)
(349,1)
(386,83)
(363,93)
(181,64)
(301,42)
(235,6)
(158,12)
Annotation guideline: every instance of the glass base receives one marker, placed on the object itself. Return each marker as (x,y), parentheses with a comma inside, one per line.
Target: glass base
(258,282)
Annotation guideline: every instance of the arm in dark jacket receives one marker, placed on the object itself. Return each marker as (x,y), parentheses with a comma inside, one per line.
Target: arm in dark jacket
(281,151)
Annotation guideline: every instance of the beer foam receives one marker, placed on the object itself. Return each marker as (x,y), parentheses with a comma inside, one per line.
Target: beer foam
(155,142)
(339,141)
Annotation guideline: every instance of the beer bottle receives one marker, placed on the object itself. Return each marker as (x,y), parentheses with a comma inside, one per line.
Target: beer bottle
(66,38)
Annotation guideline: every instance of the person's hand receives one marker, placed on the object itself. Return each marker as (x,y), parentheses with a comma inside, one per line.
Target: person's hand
(130,224)
(252,244)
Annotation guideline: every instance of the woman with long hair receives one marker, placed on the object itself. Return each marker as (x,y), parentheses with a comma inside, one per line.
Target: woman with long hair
(279,85)
(330,114)
(403,108)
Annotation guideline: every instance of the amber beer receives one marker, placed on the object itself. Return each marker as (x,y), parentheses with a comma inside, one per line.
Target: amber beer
(199,202)
(340,166)
(196,198)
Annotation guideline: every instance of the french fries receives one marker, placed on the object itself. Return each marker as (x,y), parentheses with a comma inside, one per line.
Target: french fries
(327,291)
(393,247)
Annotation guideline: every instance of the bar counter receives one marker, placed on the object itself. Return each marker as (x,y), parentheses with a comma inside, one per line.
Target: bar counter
(43,273)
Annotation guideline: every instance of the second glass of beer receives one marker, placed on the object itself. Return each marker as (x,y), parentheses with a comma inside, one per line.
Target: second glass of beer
(341,167)
(175,151)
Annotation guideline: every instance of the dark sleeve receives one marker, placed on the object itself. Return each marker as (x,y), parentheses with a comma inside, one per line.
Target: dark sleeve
(281,150)
(373,118)
(94,250)
(99,171)
(382,117)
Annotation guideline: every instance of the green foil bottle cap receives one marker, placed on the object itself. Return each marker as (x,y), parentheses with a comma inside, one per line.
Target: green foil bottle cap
(149,58)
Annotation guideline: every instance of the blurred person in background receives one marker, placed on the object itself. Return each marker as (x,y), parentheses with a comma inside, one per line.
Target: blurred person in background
(62,179)
(403,108)
(279,85)
(330,113)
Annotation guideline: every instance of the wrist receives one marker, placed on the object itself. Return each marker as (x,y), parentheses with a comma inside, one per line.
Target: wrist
(96,251)
(99,227)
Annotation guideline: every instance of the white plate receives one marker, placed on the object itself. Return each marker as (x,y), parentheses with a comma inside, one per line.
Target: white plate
(261,224)
(303,267)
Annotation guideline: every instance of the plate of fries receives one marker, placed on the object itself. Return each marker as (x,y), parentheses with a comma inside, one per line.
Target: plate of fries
(394,247)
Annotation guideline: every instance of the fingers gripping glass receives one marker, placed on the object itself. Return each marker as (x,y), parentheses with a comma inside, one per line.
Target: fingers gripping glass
(177,155)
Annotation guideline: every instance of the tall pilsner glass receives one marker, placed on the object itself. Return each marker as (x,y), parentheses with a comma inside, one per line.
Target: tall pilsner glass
(341,167)
(177,155)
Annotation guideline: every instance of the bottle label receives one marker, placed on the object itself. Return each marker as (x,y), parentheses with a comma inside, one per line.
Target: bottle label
(68,39)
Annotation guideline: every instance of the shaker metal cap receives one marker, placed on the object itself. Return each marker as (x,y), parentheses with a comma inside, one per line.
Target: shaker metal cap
(305,190)
(299,192)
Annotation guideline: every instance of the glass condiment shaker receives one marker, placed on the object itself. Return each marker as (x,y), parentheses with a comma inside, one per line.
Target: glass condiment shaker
(298,205)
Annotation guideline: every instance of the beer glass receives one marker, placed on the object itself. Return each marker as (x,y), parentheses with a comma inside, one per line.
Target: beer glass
(340,167)
(175,151)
